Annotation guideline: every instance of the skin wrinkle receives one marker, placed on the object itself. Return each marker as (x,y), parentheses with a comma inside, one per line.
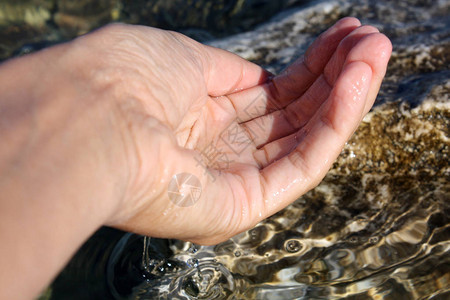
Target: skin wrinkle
(232,105)
(258,162)
(307,64)
(263,183)
(184,134)
(212,228)
(274,93)
(266,155)
(297,159)
(133,140)
(242,121)
(161,108)
(137,73)
(242,182)
(197,55)
(273,118)
(238,81)
(248,134)
(236,215)
(259,199)
(292,118)
(265,149)
(206,67)
(295,118)
(327,80)
(190,134)
(329,123)
(126,151)
(211,66)
(248,123)
(173,37)
(160,156)
(297,136)
(193,136)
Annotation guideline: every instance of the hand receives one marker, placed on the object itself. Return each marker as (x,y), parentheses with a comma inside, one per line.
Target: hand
(94,131)
(178,98)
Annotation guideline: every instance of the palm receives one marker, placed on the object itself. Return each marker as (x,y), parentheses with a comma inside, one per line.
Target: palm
(258,149)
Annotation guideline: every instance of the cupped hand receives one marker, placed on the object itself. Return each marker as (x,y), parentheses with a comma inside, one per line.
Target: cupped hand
(254,141)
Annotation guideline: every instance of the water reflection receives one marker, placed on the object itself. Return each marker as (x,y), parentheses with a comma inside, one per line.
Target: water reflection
(407,257)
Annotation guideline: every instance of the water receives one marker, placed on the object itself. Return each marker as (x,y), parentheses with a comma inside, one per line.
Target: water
(377,227)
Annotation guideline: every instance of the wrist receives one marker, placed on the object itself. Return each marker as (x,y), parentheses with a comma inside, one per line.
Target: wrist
(54,116)
(60,166)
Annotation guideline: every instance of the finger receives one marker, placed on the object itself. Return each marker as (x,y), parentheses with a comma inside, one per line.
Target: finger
(335,65)
(227,73)
(300,75)
(297,114)
(321,140)
(375,49)
(363,44)
(276,150)
(296,79)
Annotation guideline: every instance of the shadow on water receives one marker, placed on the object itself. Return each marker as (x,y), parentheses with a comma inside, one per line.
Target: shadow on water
(378,226)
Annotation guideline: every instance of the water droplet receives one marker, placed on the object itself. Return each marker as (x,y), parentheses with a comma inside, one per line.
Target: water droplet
(353,239)
(293,246)
(192,262)
(374,240)
(193,249)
